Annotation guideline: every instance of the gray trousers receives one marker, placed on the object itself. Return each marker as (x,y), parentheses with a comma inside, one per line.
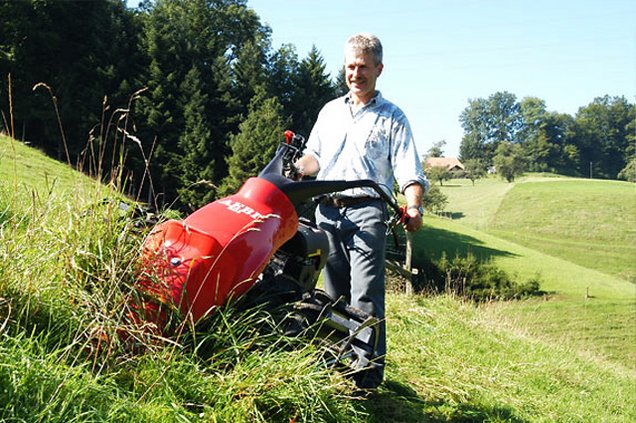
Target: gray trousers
(356,265)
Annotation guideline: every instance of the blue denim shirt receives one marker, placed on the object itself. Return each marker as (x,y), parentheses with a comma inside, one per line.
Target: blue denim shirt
(374,143)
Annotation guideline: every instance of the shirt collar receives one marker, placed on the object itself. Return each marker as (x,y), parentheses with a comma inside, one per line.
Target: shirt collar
(374,101)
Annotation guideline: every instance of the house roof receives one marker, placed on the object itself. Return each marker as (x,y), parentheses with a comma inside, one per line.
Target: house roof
(448,162)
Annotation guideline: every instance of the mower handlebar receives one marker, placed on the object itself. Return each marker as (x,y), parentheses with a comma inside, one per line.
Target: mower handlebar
(282,165)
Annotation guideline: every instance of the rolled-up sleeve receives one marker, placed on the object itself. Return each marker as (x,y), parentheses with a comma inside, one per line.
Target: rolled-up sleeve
(407,167)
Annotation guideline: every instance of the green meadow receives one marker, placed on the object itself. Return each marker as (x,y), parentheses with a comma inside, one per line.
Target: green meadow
(578,236)
(66,266)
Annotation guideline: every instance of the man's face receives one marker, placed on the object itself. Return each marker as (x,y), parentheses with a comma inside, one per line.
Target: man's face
(361,73)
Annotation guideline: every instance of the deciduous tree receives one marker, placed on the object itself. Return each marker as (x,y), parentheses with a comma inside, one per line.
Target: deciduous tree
(628,173)
(603,135)
(474,169)
(439,173)
(486,123)
(509,160)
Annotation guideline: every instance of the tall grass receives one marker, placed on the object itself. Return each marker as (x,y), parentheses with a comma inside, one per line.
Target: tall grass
(66,272)
(67,266)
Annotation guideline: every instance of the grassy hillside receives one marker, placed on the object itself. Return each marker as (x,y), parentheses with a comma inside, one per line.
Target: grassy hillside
(22,168)
(65,273)
(577,235)
(602,324)
(588,222)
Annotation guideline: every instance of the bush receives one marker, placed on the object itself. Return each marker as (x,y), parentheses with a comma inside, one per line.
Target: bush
(471,279)
(629,171)
(435,200)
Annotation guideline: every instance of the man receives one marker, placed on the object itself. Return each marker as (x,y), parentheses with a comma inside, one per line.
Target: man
(362,136)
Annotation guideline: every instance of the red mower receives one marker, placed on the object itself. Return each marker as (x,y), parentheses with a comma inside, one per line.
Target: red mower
(253,246)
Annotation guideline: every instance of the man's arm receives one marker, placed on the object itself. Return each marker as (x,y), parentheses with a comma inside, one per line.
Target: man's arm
(413,194)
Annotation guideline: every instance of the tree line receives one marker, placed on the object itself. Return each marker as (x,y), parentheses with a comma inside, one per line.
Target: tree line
(181,100)
(514,136)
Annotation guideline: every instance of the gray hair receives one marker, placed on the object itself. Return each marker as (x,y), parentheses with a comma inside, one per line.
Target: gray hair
(366,43)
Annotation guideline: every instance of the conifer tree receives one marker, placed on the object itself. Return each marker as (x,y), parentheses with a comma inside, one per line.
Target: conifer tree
(195,160)
(283,68)
(255,144)
(313,88)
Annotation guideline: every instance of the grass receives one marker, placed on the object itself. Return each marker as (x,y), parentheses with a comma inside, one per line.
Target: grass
(575,220)
(585,257)
(588,222)
(66,266)
(473,368)
(24,170)
(602,323)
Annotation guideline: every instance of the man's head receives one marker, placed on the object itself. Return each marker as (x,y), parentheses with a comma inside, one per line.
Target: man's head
(365,43)
(363,65)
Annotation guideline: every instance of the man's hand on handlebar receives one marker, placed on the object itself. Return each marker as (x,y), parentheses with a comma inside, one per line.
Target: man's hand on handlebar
(413,220)
(294,173)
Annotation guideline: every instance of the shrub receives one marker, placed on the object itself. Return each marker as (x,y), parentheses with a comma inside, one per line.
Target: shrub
(435,200)
(472,279)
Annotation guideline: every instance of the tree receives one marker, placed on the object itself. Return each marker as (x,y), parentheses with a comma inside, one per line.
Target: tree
(341,86)
(313,88)
(195,162)
(604,135)
(475,140)
(82,51)
(255,144)
(437,150)
(249,71)
(283,68)
(505,117)
(562,155)
(629,171)
(509,160)
(439,173)
(225,43)
(486,123)
(532,135)
(435,200)
(474,169)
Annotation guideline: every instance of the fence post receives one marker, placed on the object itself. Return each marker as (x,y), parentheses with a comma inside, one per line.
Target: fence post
(407,262)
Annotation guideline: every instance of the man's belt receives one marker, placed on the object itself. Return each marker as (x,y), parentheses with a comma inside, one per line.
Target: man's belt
(341,202)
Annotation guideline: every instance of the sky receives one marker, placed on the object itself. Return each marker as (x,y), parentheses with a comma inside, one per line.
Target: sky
(440,54)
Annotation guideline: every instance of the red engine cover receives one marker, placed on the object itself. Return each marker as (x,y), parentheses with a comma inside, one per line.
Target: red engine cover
(217,252)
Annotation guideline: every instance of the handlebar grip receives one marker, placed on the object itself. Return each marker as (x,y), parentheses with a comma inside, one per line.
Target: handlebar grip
(289,136)
(404,218)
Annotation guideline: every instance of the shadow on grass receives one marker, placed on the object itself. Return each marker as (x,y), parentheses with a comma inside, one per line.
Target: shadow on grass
(398,402)
(432,242)
(451,215)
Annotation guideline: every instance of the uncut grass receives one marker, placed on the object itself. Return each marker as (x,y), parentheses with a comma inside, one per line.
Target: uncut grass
(66,266)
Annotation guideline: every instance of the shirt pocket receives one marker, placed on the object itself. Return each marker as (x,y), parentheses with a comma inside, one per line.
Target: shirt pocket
(376,145)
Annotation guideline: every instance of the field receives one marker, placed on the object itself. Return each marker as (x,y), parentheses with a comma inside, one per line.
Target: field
(65,265)
(577,235)
(588,222)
